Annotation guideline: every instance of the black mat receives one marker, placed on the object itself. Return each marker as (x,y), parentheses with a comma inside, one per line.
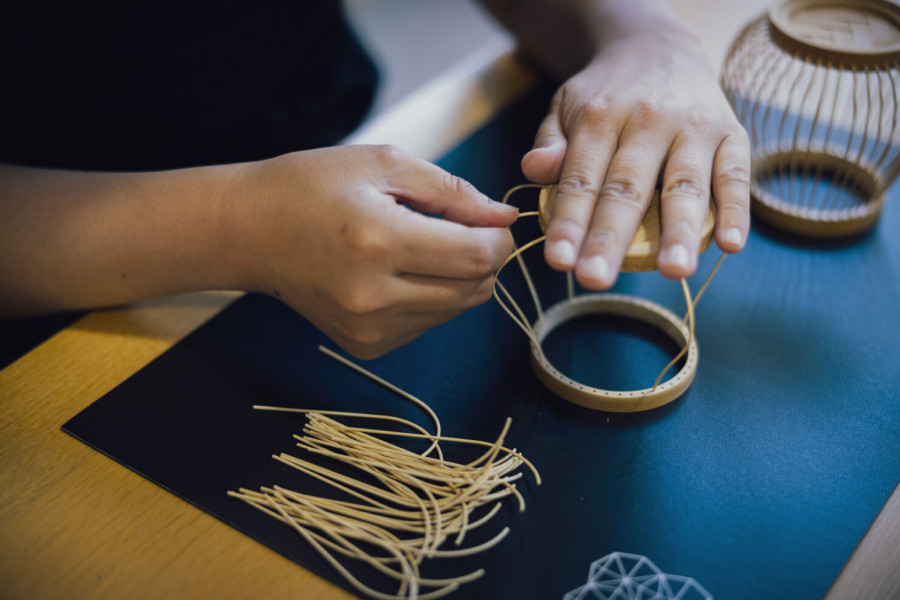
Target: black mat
(759,482)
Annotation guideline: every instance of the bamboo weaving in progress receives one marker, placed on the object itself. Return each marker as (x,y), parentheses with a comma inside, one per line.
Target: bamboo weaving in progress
(398,508)
(641,256)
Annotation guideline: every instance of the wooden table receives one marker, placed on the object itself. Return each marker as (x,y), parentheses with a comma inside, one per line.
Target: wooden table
(75,524)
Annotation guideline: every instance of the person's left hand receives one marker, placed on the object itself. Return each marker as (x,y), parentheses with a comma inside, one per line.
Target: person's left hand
(647,110)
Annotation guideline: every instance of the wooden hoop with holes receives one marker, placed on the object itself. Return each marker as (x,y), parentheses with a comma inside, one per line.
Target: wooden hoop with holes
(609,400)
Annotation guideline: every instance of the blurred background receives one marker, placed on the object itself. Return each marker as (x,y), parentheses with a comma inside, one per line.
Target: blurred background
(413,41)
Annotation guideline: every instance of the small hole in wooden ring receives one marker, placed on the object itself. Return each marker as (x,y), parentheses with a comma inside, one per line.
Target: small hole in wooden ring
(631,307)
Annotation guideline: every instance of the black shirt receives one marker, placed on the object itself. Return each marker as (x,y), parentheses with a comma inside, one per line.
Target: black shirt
(144,85)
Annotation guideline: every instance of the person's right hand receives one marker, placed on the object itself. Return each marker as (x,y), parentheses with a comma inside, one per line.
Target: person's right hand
(348,237)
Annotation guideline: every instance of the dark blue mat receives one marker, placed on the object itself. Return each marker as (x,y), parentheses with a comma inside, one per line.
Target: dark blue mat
(758,483)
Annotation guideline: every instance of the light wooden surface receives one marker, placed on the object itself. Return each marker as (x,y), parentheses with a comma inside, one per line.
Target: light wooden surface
(75,524)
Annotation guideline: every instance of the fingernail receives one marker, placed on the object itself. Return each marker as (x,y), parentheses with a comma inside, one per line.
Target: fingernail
(677,256)
(544,143)
(733,236)
(596,267)
(562,252)
(504,207)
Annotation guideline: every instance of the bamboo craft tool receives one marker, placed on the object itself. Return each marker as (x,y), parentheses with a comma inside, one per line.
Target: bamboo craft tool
(816,84)
(641,256)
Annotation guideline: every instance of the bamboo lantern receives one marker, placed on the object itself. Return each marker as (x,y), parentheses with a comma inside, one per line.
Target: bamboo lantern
(816,85)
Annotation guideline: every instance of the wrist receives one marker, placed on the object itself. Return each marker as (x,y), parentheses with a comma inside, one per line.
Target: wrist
(176,232)
(258,220)
(229,246)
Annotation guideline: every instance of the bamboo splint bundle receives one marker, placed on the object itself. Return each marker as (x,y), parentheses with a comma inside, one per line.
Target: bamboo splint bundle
(406,505)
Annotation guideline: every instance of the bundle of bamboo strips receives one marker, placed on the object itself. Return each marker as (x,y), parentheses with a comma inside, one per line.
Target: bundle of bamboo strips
(400,507)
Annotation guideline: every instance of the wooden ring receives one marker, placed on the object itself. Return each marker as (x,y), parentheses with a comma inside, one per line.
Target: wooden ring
(608,400)
(797,212)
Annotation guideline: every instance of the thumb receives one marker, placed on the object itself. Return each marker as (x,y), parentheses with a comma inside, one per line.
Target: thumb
(543,163)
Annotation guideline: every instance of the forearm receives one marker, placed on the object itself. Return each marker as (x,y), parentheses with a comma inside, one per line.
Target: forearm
(562,36)
(77,240)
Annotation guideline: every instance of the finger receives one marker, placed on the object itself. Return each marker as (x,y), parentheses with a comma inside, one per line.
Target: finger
(622,203)
(731,190)
(439,248)
(589,151)
(428,188)
(543,163)
(684,205)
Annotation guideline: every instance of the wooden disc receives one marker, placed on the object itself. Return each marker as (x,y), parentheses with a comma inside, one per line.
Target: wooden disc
(641,254)
(856,31)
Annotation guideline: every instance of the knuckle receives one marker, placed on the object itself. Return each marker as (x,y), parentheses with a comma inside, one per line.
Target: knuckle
(359,301)
(595,112)
(736,132)
(484,292)
(694,120)
(365,242)
(734,175)
(506,245)
(645,114)
(735,146)
(710,121)
(578,184)
(475,292)
(699,125)
(623,192)
(685,184)
(458,185)
(481,260)
(388,155)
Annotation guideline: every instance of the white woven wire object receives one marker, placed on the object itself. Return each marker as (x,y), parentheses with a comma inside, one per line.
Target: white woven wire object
(623,576)
(816,85)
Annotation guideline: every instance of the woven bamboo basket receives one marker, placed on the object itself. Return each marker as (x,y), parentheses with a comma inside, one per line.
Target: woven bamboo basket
(816,85)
